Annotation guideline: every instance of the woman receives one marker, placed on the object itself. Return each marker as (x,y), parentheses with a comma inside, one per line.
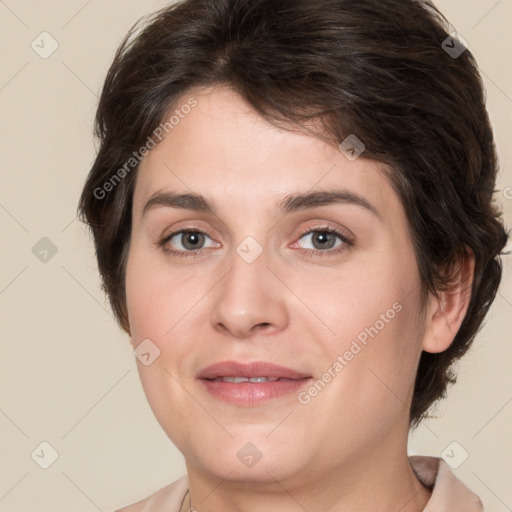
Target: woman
(293,218)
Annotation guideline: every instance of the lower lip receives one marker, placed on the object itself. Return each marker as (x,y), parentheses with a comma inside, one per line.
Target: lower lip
(252,393)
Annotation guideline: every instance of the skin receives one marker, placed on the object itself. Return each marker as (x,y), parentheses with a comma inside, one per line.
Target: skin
(346,449)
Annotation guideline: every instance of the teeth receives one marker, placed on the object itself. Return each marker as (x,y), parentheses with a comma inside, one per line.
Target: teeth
(247,379)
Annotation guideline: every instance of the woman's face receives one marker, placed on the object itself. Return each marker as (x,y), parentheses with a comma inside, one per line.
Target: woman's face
(325,286)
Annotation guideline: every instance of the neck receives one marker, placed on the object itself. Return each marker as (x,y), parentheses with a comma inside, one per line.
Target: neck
(381,483)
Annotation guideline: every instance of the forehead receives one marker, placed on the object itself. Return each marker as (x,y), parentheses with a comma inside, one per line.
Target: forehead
(221,148)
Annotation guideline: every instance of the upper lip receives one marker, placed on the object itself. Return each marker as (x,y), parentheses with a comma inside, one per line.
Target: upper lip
(253,369)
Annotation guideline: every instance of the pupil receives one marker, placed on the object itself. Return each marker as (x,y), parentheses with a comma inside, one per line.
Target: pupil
(323,236)
(192,240)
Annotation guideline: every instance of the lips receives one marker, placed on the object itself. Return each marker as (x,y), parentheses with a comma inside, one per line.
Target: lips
(250,370)
(251,384)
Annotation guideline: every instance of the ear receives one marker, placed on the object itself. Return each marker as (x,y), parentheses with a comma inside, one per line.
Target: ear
(446,313)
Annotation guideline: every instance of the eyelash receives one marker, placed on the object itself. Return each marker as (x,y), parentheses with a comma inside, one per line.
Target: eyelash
(347,242)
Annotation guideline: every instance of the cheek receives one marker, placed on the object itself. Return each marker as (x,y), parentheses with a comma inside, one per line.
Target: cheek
(374,314)
(157,296)
(156,300)
(356,301)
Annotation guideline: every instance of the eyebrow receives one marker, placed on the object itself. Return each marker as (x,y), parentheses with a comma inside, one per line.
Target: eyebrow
(291,202)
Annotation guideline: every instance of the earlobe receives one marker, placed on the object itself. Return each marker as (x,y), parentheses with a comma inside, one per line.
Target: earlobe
(446,313)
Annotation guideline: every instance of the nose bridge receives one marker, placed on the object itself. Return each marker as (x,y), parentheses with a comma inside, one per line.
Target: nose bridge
(247,282)
(249,268)
(246,296)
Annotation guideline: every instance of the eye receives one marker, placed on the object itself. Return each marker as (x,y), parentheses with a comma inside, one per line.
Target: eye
(190,242)
(185,241)
(324,240)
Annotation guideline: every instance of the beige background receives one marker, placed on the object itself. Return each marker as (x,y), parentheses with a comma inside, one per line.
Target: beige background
(67,373)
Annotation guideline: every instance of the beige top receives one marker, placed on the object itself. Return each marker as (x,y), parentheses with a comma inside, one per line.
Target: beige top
(449,494)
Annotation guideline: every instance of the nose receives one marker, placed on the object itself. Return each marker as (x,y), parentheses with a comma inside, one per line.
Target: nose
(249,299)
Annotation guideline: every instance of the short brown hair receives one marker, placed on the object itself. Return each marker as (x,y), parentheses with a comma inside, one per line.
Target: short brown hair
(379,70)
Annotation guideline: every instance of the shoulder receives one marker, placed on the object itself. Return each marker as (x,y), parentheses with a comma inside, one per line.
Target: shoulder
(448,492)
(167,498)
